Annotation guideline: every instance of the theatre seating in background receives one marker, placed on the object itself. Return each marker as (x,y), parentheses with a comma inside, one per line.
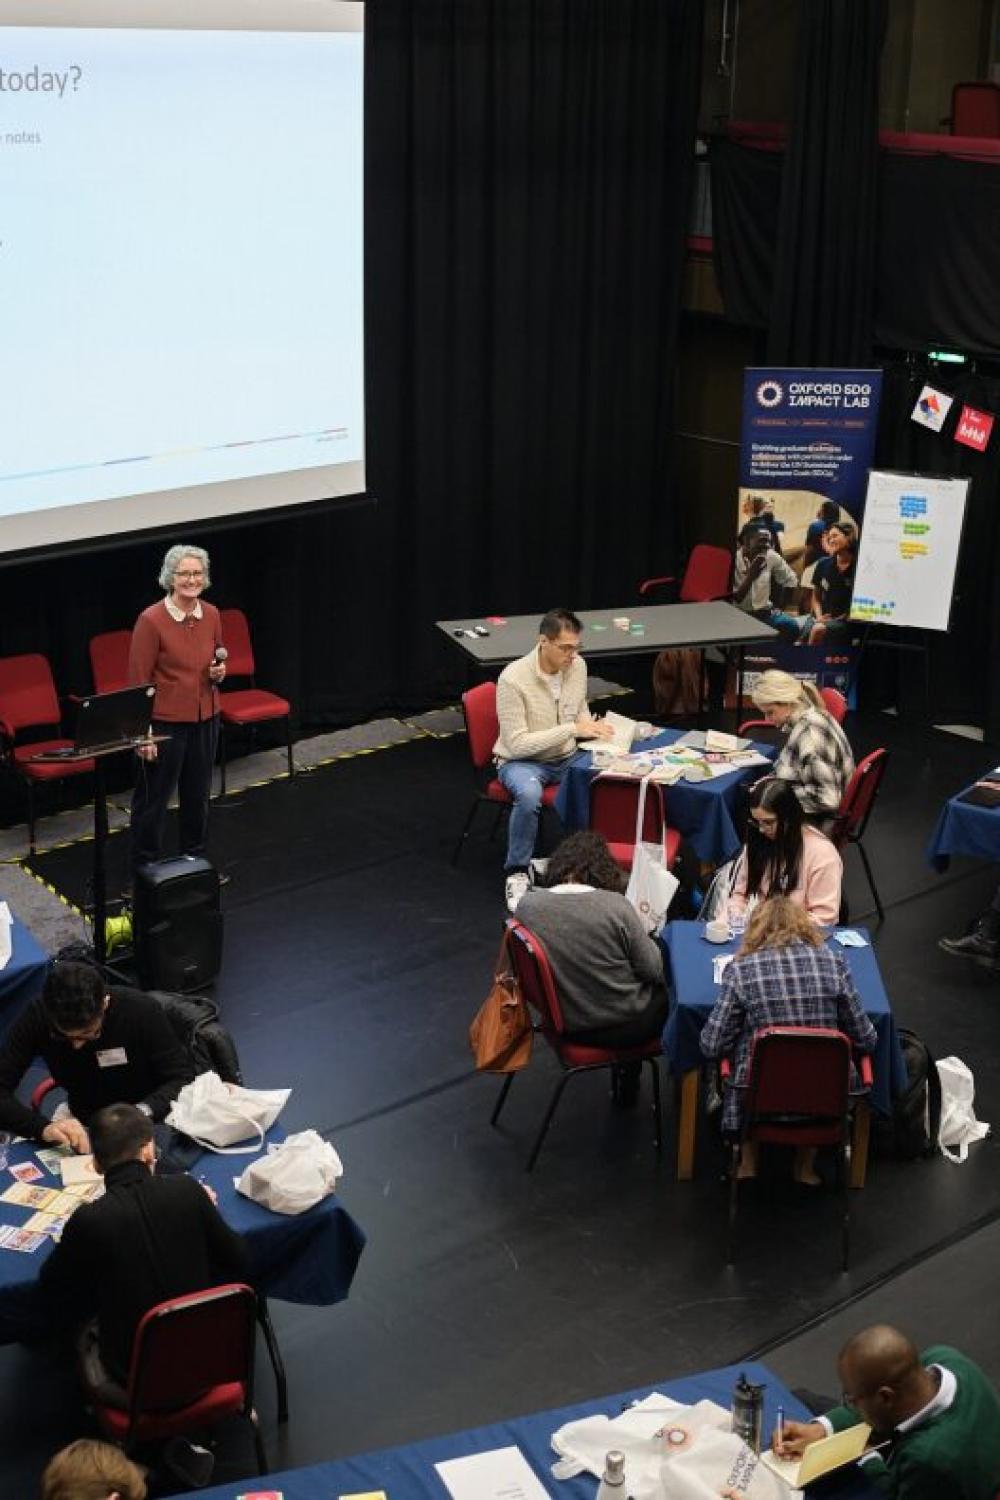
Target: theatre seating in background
(192,1367)
(538,986)
(249,706)
(482,727)
(797,1093)
(29,712)
(856,809)
(109,660)
(706,576)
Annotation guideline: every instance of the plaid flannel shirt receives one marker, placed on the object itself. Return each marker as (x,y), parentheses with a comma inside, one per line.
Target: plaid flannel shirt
(793,986)
(818,761)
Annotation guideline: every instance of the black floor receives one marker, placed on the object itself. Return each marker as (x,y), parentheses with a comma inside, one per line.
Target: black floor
(356,955)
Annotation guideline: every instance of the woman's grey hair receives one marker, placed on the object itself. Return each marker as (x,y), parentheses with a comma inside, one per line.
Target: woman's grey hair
(172,560)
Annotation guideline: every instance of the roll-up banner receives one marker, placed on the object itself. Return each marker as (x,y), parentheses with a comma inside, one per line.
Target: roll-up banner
(807,445)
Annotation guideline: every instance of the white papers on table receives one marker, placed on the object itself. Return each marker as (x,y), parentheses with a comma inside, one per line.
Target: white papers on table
(6,946)
(625,731)
(848,938)
(720,963)
(79,1169)
(500,1474)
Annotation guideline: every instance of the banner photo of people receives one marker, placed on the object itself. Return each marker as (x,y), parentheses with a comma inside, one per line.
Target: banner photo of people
(807,444)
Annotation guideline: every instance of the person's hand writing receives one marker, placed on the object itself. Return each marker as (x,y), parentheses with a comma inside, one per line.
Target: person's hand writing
(68,1132)
(587,728)
(794,1438)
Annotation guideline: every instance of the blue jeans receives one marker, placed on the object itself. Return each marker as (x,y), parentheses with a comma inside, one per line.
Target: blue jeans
(526,780)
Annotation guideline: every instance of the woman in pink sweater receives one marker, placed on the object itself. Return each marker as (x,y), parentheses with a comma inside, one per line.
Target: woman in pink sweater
(783,856)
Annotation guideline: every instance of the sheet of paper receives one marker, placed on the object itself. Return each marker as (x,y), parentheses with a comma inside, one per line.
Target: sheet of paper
(29,1197)
(720,963)
(51,1157)
(78,1169)
(848,938)
(500,1474)
(624,728)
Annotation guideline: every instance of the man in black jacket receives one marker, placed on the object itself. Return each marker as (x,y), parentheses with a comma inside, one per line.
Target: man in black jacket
(147,1239)
(102,1046)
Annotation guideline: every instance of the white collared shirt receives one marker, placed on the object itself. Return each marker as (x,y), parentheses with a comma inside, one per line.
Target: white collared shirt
(181,615)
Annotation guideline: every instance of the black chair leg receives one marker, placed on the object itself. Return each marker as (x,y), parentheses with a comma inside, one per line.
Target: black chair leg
(288,742)
(258,1443)
(871,880)
(274,1354)
(31,817)
(734,1202)
(657,1110)
(501,1098)
(543,1132)
(466,830)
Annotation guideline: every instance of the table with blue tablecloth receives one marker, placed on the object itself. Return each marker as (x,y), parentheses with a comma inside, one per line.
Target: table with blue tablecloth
(689,956)
(308,1258)
(22,979)
(703,812)
(408,1473)
(965,829)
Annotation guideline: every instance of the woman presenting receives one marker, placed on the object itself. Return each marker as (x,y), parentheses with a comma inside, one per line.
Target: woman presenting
(174,646)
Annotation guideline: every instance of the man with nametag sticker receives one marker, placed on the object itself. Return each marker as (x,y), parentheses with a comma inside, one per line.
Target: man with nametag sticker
(103,1046)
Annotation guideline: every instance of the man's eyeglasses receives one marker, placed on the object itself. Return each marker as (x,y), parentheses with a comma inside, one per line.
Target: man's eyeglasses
(85,1034)
(190,574)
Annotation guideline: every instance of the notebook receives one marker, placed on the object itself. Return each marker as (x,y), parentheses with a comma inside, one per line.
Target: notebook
(821,1457)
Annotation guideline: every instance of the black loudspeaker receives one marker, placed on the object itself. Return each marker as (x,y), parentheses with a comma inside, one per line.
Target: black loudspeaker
(177,924)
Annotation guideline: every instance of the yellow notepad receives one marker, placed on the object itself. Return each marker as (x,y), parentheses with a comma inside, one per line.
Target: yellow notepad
(820,1457)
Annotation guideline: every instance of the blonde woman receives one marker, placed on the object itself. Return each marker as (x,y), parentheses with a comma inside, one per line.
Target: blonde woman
(783,975)
(817,758)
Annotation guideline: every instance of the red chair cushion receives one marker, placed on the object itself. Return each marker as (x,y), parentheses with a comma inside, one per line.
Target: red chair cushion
(252,706)
(48,770)
(221,1401)
(495,791)
(579,1055)
(623,854)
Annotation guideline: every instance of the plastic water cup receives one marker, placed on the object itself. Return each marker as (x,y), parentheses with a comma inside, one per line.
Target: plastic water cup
(737,921)
(4,1150)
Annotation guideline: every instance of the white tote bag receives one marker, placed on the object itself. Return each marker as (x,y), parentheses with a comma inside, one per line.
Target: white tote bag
(651,887)
(959,1126)
(294,1176)
(218,1115)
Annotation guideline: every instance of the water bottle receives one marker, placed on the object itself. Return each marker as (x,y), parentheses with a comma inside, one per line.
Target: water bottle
(612,1485)
(748,1412)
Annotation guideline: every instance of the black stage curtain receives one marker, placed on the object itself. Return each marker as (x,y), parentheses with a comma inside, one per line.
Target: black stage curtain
(528,169)
(821,307)
(746,192)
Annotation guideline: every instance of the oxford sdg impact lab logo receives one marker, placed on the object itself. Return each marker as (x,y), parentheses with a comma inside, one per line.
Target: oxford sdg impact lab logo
(770,393)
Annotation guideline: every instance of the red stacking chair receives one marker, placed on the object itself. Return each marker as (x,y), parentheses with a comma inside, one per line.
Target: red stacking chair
(797,1093)
(109,660)
(28,702)
(833,698)
(482,727)
(249,706)
(975,109)
(706,576)
(538,986)
(856,808)
(192,1367)
(614,806)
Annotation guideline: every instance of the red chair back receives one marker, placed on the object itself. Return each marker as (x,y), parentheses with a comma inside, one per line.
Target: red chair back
(798,1085)
(109,660)
(236,639)
(706,575)
(481,722)
(859,798)
(975,109)
(27,692)
(534,975)
(835,703)
(614,806)
(189,1345)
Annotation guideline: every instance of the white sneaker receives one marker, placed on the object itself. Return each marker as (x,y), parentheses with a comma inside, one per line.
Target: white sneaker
(514,888)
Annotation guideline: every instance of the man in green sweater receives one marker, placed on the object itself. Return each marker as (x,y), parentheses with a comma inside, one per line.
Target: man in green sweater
(935,1412)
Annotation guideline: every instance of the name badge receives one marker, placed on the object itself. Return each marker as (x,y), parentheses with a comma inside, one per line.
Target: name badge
(112,1057)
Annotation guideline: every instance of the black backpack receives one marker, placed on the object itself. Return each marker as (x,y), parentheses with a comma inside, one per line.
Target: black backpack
(196,1023)
(911,1131)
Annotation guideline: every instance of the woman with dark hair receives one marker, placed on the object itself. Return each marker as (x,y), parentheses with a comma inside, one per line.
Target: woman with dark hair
(608,970)
(783,975)
(785,856)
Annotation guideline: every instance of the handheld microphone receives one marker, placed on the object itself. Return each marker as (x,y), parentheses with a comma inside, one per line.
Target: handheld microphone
(221,654)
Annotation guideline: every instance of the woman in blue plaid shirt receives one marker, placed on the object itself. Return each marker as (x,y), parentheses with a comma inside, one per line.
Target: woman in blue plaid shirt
(783,975)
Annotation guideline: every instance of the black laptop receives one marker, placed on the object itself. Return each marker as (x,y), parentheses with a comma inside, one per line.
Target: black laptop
(109,721)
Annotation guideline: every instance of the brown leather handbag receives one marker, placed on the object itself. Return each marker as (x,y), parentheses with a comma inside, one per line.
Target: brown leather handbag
(500,1036)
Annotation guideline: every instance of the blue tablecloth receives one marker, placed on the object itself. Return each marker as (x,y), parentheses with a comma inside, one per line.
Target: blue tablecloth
(21,981)
(694,992)
(408,1473)
(309,1258)
(964,829)
(703,812)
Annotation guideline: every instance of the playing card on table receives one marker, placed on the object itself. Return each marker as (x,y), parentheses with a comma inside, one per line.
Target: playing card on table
(25,1240)
(26,1171)
(49,1224)
(29,1197)
(51,1156)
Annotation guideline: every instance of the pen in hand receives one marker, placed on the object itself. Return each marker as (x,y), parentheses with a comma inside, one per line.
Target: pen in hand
(779,1431)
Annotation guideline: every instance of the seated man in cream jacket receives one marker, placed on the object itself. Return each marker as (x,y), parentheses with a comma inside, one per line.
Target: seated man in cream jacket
(542,708)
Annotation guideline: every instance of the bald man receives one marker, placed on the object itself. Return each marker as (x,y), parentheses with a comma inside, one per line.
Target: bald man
(935,1410)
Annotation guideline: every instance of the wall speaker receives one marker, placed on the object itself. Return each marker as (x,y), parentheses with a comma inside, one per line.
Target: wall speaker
(177,924)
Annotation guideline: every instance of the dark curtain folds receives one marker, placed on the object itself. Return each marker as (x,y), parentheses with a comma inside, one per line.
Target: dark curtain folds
(821,307)
(527,185)
(746,192)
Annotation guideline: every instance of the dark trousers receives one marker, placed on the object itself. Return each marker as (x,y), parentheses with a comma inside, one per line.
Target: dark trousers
(184,761)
